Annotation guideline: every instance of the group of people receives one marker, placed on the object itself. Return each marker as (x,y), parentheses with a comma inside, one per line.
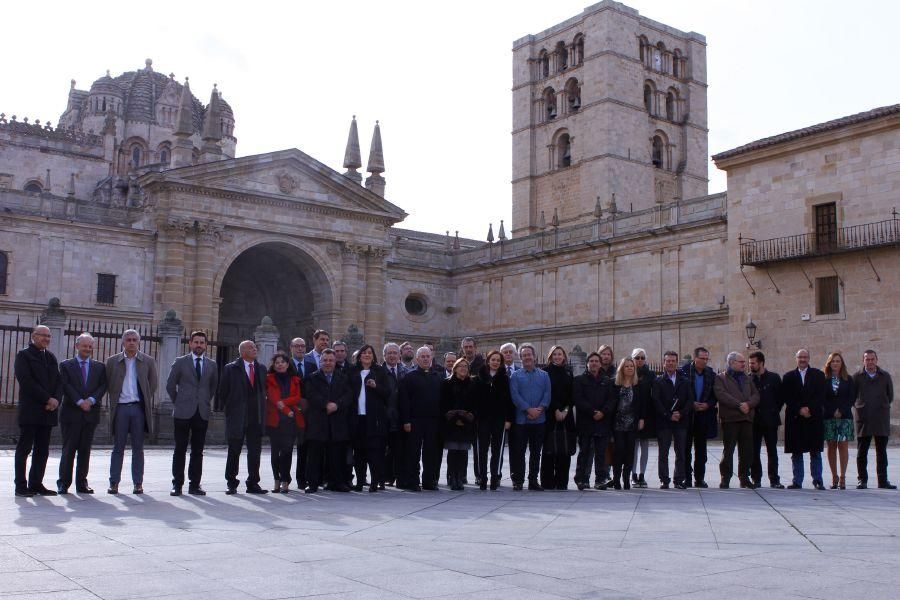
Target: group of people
(360,423)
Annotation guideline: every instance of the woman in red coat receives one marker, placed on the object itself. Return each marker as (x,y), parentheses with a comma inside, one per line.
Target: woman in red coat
(283,418)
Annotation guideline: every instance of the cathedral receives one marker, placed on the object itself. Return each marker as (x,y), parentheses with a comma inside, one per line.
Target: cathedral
(137,204)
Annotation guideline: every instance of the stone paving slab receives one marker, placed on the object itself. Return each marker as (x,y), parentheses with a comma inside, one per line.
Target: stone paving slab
(649,543)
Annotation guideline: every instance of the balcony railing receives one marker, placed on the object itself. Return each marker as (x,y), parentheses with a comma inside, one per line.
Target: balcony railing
(845,239)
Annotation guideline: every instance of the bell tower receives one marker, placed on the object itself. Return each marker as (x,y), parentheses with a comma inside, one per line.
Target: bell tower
(608,104)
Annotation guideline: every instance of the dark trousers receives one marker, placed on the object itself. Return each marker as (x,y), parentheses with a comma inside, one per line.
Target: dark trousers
(301,460)
(676,438)
(130,420)
(333,454)
(862,457)
(592,451)
(490,435)
(457,465)
(253,438)
(282,455)
(424,446)
(77,439)
(368,451)
(189,431)
(530,437)
(555,470)
(623,461)
(740,434)
(395,459)
(697,442)
(769,434)
(34,440)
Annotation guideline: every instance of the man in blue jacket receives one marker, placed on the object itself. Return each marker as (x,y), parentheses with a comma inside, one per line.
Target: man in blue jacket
(530,390)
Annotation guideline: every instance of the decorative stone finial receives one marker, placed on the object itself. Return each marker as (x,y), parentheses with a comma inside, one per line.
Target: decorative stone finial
(73,84)
(502,236)
(598,209)
(456,241)
(171,315)
(352,157)
(555,220)
(490,235)
(542,223)
(149,64)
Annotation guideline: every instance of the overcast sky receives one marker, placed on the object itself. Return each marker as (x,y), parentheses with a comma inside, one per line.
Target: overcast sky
(438,76)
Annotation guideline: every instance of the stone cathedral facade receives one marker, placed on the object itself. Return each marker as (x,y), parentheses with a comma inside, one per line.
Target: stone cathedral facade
(137,204)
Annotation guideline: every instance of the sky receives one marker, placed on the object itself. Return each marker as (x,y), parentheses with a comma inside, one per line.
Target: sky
(438,76)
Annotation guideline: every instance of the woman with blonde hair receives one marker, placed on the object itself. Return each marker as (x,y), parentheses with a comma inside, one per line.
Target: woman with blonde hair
(628,420)
(458,409)
(839,395)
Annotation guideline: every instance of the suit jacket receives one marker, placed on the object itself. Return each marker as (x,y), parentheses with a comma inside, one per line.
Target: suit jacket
(309,366)
(703,420)
(873,403)
(668,398)
(768,411)
(393,403)
(145,367)
(804,434)
(38,376)
(235,395)
(377,398)
(320,426)
(189,394)
(731,394)
(590,394)
(74,389)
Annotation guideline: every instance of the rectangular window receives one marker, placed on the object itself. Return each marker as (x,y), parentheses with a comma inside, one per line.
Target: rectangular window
(106,288)
(826,227)
(4,269)
(827,296)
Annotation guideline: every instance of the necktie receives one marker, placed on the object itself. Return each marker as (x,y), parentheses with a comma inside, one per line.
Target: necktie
(197,367)
(252,376)
(509,370)
(329,379)
(394,373)
(84,372)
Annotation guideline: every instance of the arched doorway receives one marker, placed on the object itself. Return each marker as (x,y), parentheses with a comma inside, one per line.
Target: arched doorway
(272,279)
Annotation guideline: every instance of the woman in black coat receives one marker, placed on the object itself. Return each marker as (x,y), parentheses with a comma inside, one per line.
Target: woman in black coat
(642,443)
(458,411)
(559,440)
(593,406)
(494,413)
(840,393)
(370,390)
(628,420)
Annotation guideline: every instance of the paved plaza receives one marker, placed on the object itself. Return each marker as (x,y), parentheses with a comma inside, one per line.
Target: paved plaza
(512,545)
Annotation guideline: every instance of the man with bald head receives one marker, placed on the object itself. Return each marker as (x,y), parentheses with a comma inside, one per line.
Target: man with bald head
(804,427)
(420,414)
(40,389)
(242,395)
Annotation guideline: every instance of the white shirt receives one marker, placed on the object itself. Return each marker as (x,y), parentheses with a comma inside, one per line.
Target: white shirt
(673,377)
(803,375)
(247,370)
(317,356)
(362,391)
(130,384)
(194,358)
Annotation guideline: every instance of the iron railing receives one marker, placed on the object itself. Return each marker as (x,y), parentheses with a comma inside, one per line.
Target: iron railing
(844,239)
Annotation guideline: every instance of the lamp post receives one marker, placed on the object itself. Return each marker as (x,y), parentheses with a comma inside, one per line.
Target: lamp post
(752,342)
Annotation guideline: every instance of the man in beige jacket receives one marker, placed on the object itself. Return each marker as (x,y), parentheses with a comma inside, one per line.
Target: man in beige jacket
(737,398)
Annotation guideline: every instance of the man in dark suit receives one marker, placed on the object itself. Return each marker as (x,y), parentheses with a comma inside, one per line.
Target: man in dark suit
(305,365)
(395,455)
(40,388)
(767,419)
(191,386)
(242,394)
(420,398)
(673,398)
(703,418)
(340,356)
(329,402)
(469,349)
(804,430)
(84,385)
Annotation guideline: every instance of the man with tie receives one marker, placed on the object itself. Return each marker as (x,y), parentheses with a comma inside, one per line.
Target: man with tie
(804,428)
(340,355)
(39,391)
(394,453)
(191,386)
(84,385)
(673,398)
(509,352)
(321,339)
(420,414)
(131,379)
(305,365)
(242,394)
(329,402)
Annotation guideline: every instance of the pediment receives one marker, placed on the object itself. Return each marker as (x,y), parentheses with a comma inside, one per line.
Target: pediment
(288,174)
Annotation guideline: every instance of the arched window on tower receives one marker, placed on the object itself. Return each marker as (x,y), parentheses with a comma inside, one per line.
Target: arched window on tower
(659,57)
(549,97)
(677,66)
(135,156)
(670,105)
(579,49)
(561,150)
(562,57)
(658,152)
(164,153)
(544,64)
(644,50)
(649,93)
(573,95)
(34,187)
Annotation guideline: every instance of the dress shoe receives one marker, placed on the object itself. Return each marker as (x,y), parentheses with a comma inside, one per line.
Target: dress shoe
(196,490)
(664,485)
(795,486)
(724,485)
(495,483)
(862,485)
(358,487)
(626,484)
(746,485)
(482,485)
(580,486)
(641,482)
(680,485)
(601,485)
(381,486)
(138,490)
(255,489)
(276,489)
(84,490)
(373,488)
(311,490)
(342,488)
(886,485)
(231,491)
(23,493)
(113,489)
(517,487)
(43,491)
(176,491)
(62,490)
(617,485)
(534,486)
(634,478)
(818,485)
(431,487)
(701,484)
(777,486)
(285,487)
(413,488)
(687,483)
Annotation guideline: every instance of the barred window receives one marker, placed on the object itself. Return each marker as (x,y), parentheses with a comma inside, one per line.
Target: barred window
(106,288)
(827,296)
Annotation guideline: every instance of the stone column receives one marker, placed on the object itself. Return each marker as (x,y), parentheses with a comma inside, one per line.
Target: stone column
(373,330)
(350,288)
(578,360)
(170,270)
(170,331)
(54,317)
(208,236)
(266,338)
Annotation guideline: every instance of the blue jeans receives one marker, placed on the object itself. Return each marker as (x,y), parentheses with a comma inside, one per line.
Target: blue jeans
(815,467)
(129,419)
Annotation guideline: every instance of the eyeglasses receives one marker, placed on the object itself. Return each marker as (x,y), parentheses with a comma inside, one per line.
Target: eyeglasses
(640,358)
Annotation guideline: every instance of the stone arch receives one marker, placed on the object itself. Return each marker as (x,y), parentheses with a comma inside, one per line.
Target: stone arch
(573,95)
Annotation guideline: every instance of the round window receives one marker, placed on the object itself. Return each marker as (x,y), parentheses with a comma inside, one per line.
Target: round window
(415,305)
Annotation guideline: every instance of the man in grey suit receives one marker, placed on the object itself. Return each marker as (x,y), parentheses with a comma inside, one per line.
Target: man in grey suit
(131,383)
(84,385)
(191,386)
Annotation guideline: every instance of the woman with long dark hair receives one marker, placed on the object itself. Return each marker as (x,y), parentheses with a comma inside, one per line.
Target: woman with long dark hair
(560,434)
(283,418)
(840,394)
(494,413)
(457,409)
(371,391)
